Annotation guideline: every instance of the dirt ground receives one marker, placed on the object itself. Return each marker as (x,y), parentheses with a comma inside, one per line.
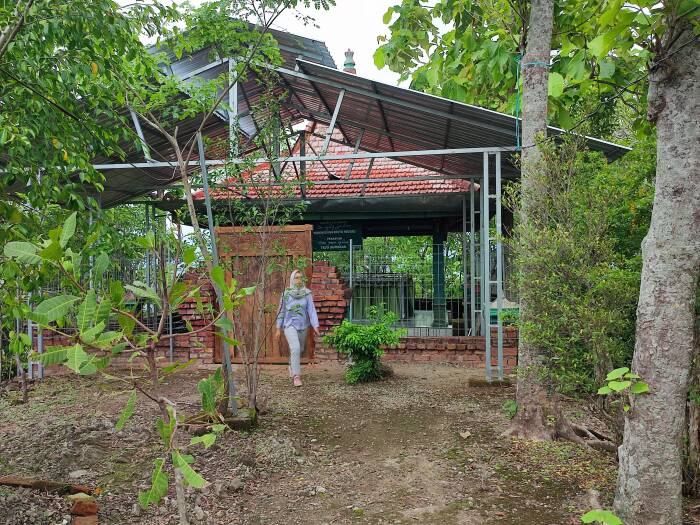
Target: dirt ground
(420,447)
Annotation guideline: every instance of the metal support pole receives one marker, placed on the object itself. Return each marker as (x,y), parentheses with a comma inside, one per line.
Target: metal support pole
(331,126)
(486,271)
(439,301)
(233,406)
(472,259)
(499,266)
(464,264)
(30,334)
(351,277)
(276,169)
(139,132)
(232,109)
(40,346)
(348,172)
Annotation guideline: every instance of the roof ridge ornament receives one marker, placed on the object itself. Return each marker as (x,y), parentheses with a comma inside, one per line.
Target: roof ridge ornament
(349,65)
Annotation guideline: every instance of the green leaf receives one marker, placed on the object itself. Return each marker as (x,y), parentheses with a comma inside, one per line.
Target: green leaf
(52,252)
(177,366)
(380,58)
(607,68)
(555,85)
(618,386)
(387,16)
(189,255)
(101,264)
(53,308)
(166,429)
(601,45)
(640,387)
(609,14)
(191,477)
(53,355)
(116,292)
(626,408)
(617,373)
(141,290)
(225,323)
(603,516)
(207,440)
(89,335)
(24,252)
(76,357)
(159,486)
(127,412)
(250,290)
(68,229)
(219,277)
(86,311)
(604,390)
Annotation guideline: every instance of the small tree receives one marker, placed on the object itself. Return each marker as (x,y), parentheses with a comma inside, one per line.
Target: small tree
(364,345)
(97,321)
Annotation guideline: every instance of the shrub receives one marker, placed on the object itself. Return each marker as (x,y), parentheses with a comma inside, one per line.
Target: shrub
(363,344)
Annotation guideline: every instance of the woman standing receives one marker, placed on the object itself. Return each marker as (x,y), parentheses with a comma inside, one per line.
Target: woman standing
(296,313)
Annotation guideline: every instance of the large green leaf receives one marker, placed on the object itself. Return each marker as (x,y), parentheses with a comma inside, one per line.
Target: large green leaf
(101,264)
(192,478)
(52,355)
(68,229)
(24,252)
(617,373)
(159,485)
(142,290)
(640,387)
(86,311)
(90,334)
(207,440)
(219,277)
(76,358)
(556,85)
(127,412)
(601,516)
(53,308)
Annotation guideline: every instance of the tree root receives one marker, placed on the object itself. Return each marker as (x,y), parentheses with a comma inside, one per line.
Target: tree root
(45,485)
(530,423)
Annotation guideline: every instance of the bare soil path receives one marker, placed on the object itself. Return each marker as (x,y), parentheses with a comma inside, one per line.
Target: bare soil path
(421,447)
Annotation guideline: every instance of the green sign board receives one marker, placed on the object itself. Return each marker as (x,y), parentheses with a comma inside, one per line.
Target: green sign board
(336,236)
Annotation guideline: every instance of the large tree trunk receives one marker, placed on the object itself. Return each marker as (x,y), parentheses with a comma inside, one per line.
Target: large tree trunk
(649,481)
(529,421)
(691,470)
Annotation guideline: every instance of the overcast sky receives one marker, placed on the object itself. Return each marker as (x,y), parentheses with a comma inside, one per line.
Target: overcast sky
(353,24)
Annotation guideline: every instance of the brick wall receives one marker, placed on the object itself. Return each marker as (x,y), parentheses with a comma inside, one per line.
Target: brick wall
(331,298)
(468,351)
(330,295)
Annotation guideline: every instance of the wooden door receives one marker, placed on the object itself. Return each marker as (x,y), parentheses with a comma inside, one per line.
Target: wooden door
(253,256)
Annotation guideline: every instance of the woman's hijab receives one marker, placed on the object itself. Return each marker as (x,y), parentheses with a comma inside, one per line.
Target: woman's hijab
(297,291)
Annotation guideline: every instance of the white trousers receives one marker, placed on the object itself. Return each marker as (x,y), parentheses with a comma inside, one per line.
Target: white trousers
(296,339)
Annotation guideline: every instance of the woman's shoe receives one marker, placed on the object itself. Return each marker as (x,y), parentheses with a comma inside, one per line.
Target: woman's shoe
(297,380)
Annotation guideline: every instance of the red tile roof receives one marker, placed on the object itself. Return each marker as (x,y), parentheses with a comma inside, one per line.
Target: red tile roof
(382,168)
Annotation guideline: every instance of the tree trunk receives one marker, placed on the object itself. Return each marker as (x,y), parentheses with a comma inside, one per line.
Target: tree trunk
(22,379)
(529,421)
(649,480)
(691,471)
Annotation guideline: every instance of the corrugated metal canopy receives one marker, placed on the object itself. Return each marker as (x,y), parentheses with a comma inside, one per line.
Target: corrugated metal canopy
(388,119)
(399,119)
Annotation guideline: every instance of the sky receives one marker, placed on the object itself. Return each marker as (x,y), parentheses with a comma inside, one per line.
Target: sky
(353,24)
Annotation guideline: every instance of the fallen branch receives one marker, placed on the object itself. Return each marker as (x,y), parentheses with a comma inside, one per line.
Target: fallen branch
(57,487)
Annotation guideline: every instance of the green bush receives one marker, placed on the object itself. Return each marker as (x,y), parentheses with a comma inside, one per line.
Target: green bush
(363,344)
